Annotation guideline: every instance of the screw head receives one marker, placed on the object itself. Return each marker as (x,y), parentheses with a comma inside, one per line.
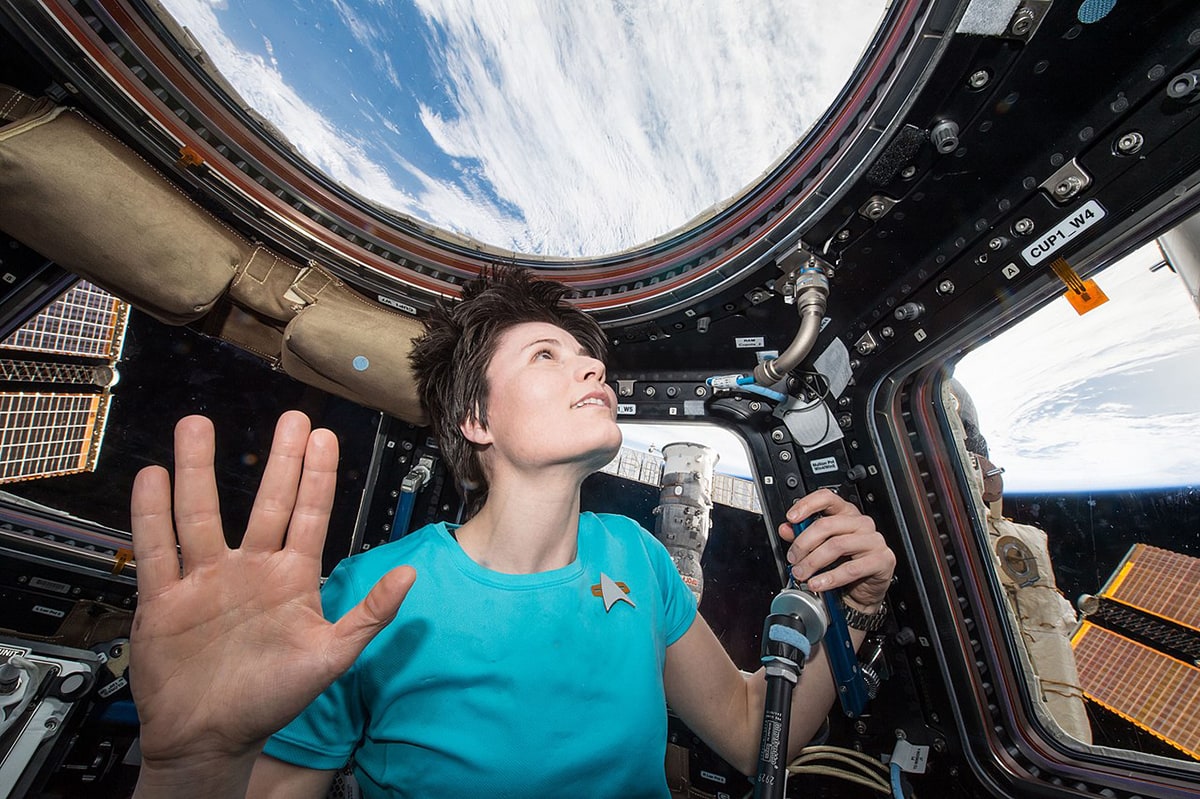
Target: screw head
(843,235)
(1022,22)
(979,78)
(1130,143)
(1068,187)
(945,287)
(1023,226)
(997,243)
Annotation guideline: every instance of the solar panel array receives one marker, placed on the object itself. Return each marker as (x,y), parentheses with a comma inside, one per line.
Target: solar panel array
(45,431)
(1160,582)
(1154,691)
(44,435)
(85,321)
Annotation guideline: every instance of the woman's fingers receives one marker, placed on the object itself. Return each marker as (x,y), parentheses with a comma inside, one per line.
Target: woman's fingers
(276,498)
(153,532)
(197,508)
(314,498)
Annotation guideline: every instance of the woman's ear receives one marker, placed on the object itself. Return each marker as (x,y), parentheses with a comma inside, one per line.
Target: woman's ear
(474,430)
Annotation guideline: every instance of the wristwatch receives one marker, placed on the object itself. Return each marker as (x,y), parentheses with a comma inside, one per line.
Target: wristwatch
(867,622)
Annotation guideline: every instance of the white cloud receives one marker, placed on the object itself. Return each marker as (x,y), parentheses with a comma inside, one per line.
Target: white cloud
(609,125)
(603,126)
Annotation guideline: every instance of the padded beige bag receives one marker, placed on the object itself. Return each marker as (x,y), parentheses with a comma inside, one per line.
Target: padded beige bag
(75,194)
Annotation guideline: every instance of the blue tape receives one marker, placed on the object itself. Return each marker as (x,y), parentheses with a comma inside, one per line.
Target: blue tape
(786,635)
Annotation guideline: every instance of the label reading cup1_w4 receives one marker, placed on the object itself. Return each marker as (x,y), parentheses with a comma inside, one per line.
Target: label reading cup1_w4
(1053,239)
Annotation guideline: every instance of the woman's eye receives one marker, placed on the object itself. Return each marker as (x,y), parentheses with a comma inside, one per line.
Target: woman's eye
(544,354)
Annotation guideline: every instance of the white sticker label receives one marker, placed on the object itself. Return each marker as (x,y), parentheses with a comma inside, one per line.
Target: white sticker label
(400,306)
(1053,239)
(749,342)
(822,465)
(112,687)
(49,585)
(45,611)
(626,409)
(1011,271)
(708,775)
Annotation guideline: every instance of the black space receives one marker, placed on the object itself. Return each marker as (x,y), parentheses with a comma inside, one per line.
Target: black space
(167,373)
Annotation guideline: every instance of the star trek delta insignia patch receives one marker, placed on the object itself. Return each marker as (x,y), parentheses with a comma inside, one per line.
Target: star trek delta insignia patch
(611,592)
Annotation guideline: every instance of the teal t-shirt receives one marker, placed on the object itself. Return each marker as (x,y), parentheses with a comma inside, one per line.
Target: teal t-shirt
(504,685)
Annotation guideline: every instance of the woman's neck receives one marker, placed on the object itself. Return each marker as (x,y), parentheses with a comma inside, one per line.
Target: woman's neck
(525,526)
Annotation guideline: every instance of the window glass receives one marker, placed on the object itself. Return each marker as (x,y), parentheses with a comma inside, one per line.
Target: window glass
(737,564)
(546,128)
(1094,421)
(161,373)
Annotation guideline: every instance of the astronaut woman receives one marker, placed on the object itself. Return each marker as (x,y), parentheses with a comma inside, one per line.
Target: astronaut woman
(512,669)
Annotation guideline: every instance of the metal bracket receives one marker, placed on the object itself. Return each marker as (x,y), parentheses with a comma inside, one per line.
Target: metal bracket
(1065,184)
(876,206)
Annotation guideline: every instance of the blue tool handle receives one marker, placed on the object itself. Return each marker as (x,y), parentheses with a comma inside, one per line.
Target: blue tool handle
(843,660)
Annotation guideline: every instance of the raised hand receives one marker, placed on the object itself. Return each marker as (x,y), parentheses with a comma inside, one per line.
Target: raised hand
(230,646)
(840,532)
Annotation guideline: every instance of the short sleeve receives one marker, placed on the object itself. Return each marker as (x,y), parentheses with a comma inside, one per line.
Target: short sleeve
(679,603)
(327,732)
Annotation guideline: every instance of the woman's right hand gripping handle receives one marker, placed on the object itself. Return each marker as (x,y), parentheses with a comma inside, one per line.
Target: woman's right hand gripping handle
(229,648)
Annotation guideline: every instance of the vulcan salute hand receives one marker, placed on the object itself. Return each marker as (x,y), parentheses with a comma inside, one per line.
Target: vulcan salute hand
(231,648)
(839,532)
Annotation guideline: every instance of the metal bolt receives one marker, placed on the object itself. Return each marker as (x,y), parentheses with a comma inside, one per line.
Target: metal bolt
(1023,226)
(755,406)
(997,243)
(908,171)
(1130,143)
(1068,187)
(844,421)
(1022,21)
(860,727)
(649,391)
(843,235)
(777,436)
(52,724)
(887,332)
(700,392)
(901,735)
(672,391)
(785,455)
(944,136)
(791,481)
(945,287)
(979,78)
(875,209)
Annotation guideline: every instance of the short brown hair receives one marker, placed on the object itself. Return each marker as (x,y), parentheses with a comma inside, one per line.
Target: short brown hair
(451,358)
